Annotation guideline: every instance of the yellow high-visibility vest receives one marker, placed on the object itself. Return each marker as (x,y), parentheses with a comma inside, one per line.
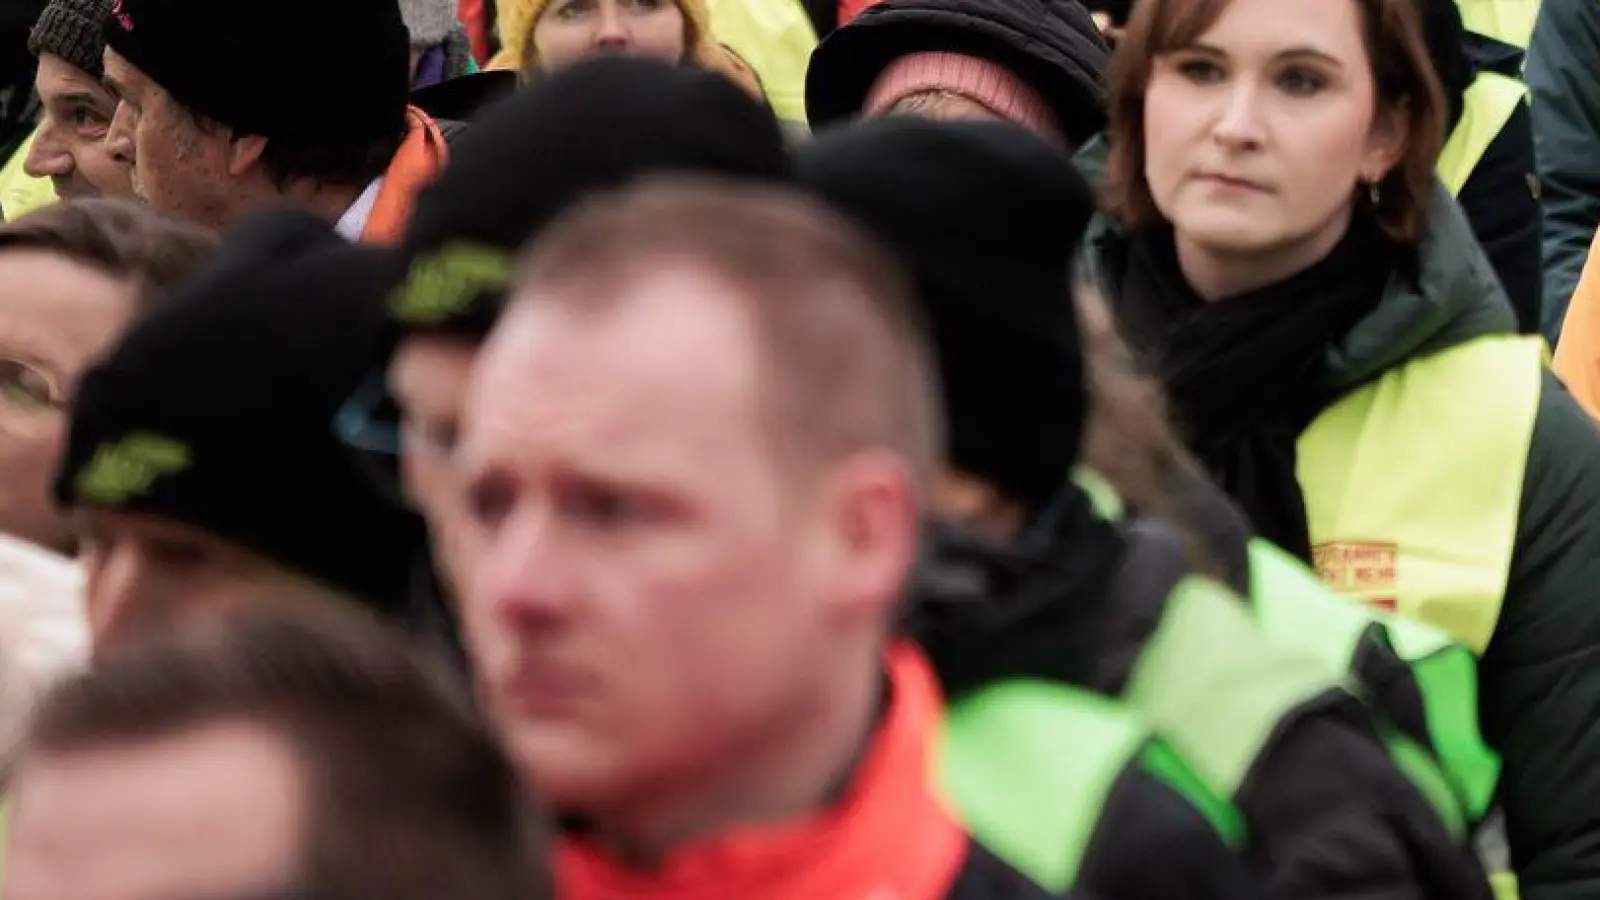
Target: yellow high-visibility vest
(775,38)
(1510,21)
(1413,483)
(21,193)
(1490,101)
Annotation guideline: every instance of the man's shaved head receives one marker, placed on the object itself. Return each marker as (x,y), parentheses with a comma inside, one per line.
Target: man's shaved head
(844,359)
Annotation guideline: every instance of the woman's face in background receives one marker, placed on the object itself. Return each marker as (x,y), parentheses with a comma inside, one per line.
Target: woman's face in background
(570,30)
(1260,134)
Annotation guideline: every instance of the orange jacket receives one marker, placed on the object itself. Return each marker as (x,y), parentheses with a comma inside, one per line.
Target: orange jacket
(421,157)
(1577,361)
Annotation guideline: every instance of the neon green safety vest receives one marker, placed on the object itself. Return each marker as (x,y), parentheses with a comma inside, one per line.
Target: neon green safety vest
(1510,21)
(775,38)
(1399,525)
(1030,765)
(1300,611)
(21,193)
(1490,100)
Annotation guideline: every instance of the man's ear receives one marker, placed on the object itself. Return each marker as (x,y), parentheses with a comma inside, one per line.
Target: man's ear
(244,151)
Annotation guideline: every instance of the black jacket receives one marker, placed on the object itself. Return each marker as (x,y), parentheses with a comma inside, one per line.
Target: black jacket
(1328,814)
(1501,197)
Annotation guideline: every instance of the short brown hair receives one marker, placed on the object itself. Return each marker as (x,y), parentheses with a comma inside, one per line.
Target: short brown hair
(411,795)
(118,237)
(1402,73)
(841,339)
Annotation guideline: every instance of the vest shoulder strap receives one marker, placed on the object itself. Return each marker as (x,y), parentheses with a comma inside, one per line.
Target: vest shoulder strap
(1504,20)
(1398,524)
(1030,764)
(1490,100)
(1207,676)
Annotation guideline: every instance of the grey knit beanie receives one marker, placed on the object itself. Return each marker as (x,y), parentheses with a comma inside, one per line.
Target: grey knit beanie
(70,29)
(428,20)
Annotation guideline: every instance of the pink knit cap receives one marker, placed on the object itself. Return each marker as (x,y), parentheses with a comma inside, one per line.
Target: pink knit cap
(977,79)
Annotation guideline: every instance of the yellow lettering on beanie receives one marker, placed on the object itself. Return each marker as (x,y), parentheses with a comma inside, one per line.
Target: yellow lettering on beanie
(121,470)
(445,283)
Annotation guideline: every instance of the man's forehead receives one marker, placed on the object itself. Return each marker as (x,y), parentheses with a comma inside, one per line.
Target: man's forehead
(676,326)
(662,356)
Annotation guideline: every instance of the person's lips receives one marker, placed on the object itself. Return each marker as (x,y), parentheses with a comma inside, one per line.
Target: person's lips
(1232,182)
(541,689)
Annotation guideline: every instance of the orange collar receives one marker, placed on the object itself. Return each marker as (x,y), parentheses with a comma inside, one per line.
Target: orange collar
(421,157)
(890,837)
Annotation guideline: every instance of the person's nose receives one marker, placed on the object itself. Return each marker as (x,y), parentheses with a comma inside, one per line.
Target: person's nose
(1238,124)
(119,137)
(48,157)
(520,574)
(613,32)
(116,586)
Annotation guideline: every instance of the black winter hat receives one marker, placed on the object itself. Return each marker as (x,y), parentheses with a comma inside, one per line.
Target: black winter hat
(593,125)
(72,30)
(987,217)
(305,70)
(16,21)
(216,407)
(1053,46)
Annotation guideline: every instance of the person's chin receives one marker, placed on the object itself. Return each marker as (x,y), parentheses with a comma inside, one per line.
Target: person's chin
(1228,229)
(74,189)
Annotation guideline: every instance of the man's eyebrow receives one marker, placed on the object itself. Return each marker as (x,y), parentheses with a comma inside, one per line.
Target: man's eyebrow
(117,88)
(87,97)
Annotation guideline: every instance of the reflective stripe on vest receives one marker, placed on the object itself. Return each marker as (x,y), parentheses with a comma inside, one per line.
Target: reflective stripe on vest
(1012,743)
(1401,525)
(775,38)
(1510,21)
(1298,610)
(1489,102)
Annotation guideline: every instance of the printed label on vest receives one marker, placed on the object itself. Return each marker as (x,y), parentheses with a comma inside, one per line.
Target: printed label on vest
(1363,569)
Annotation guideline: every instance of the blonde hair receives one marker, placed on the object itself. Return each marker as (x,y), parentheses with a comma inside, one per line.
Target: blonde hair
(517,19)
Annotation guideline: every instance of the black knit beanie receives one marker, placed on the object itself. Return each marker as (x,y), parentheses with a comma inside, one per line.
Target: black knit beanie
(72,30)
(308,70)
(593,125)
(987,217)
(215,409)
(1053,46)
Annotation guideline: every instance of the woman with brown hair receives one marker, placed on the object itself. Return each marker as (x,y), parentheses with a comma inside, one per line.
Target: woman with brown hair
(1338,354)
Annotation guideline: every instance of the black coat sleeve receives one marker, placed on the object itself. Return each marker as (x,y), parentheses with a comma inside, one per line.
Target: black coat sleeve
(1501,202)
(1332,817)
(1153,844)
(1540,704)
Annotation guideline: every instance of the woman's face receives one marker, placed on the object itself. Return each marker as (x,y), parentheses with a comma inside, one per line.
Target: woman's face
(1258,137)
(570,30)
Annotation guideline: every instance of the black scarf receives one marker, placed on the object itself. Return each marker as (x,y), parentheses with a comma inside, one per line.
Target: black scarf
(1042,609)
(1245,374)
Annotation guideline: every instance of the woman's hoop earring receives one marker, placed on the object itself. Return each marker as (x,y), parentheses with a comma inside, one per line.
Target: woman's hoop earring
(1372,192)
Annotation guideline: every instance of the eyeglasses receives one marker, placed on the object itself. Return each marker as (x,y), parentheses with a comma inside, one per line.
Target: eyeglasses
(26,388)
(369,424)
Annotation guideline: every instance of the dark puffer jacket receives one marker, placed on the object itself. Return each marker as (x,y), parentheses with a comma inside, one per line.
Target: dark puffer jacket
(1052,45)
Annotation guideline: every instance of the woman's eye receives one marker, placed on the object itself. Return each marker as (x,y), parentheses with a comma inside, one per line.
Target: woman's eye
(1301,83)
(1199,71)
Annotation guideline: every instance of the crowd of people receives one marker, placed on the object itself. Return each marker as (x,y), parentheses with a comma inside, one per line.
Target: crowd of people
(799,449)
